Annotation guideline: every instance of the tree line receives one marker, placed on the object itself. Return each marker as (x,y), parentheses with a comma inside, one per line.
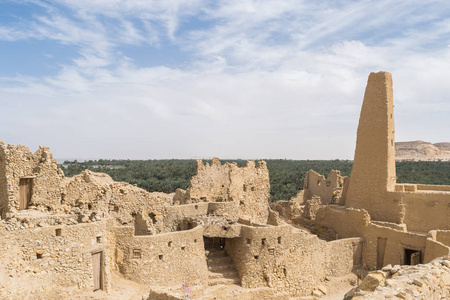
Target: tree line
(286,176)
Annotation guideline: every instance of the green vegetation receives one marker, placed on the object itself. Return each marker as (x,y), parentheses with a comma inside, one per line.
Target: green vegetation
(286,176)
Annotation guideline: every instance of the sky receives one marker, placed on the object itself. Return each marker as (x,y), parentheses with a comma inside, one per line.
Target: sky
(249,79)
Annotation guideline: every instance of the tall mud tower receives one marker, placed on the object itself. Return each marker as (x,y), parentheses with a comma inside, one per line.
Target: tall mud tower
(373,174)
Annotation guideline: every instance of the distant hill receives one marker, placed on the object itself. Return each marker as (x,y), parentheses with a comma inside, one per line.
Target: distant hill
(420,150)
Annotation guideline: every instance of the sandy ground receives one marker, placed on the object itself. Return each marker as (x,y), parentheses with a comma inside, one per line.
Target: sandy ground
(121,289)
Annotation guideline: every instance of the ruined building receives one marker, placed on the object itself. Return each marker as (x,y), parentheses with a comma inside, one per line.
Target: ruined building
(66,237)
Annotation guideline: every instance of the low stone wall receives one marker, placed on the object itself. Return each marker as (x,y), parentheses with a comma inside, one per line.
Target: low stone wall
(434,249)
(287,259)
(53,261)
(164,259)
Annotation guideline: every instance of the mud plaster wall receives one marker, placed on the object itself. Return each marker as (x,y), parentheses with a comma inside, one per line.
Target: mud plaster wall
(396,242)
(353,222)
(425,211)
(287,259)
(66,260)
(443,236)
(325,188)
(373,172)
(19,162)
(434,249)
(164,259)
(346,222)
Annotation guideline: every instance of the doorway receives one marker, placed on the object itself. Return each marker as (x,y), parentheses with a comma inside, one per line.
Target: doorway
(25,188)
(381,249)
(412,257)
(97,266)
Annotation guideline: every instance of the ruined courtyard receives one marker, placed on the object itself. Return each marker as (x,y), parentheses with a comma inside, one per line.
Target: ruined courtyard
(221,238)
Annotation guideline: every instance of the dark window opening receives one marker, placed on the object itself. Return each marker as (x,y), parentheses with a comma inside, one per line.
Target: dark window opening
(136,253)
(58,231)
(413,257)
(152,216)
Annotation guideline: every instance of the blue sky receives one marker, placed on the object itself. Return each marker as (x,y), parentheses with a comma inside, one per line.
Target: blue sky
(234,79)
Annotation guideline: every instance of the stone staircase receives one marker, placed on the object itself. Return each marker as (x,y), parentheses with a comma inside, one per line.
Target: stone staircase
(221,268)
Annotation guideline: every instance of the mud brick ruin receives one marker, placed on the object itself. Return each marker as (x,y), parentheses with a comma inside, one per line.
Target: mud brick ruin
(61,237)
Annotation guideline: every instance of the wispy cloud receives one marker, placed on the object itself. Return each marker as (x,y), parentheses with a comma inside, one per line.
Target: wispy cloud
(258,78)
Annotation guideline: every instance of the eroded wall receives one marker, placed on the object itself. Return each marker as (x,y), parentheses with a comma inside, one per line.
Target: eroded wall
(287,259)
(99,192)
(211,182)
(385,243)
(40,167)
(247,187)
(39,264)
(250,190)
(164,259)
(328,189)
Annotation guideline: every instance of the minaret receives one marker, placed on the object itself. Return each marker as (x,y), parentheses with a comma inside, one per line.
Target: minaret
(373,173)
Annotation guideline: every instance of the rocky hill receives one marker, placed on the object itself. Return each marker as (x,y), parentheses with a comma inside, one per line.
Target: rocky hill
(420,150)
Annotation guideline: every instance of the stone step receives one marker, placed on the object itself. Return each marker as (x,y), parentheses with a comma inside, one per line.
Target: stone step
(225,274)
(220,260)
(216,253)
(221,268)
(225,281)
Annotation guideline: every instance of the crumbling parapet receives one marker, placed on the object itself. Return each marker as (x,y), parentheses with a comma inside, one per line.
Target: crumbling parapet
(247,187)
(98,192)
(329,189)
(311,207)
(29,179)
(250,190)
(210,184)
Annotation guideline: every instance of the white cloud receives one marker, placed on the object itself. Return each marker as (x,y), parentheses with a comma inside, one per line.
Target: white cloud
(264,78)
